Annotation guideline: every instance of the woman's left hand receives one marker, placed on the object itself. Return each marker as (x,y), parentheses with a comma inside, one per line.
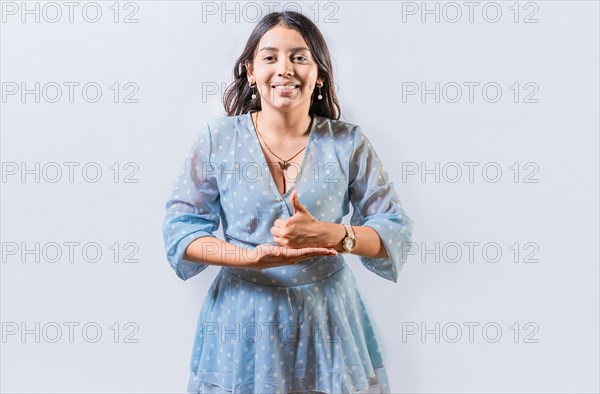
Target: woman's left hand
(301,230)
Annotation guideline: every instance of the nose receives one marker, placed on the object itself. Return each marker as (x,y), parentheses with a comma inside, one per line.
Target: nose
(285,66)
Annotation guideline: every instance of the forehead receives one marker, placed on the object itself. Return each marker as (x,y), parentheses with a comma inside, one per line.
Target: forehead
(282,38)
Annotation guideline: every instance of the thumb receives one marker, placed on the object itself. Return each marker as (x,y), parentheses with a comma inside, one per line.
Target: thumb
(298,207)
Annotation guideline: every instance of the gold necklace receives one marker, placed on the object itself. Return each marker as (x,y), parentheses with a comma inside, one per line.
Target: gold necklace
(283,164)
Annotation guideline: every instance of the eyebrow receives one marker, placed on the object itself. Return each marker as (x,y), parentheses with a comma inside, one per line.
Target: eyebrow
(277,50)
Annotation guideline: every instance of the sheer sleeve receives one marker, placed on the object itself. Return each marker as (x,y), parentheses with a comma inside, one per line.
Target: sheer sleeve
(377,205)
(194,207)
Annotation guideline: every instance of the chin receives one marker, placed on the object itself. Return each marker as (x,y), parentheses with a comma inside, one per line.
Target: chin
(286,105)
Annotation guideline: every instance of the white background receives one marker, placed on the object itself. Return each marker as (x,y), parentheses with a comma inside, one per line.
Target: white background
(174,52)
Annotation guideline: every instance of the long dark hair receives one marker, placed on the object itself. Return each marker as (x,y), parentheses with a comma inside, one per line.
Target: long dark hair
(237,98)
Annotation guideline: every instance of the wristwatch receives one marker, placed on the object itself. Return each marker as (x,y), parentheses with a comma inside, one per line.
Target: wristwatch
(349,241)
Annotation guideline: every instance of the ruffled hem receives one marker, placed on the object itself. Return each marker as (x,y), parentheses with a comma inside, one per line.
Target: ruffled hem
(378,385)
(316,337)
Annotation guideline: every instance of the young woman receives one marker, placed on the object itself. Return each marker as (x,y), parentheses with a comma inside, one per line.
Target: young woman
(284,314)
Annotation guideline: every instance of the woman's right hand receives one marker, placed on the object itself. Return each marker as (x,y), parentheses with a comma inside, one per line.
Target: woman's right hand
(269,255)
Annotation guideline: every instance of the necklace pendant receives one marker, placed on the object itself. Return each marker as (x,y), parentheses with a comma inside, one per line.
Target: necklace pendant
(283,165)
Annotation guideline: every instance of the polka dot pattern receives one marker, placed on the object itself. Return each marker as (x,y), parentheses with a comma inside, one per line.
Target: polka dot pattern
(315,337)
(300,328)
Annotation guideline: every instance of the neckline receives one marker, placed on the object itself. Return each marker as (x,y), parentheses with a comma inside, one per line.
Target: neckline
(258,147)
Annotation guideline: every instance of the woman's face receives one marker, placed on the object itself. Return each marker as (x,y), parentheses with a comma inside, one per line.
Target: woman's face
(284,70)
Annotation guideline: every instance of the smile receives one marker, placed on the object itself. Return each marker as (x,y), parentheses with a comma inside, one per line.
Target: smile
(285,87)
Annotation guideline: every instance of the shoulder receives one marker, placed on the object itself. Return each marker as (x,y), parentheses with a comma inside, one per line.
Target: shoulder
(223,123)
(344,132)
(336,125)
(339,130)
(220,129)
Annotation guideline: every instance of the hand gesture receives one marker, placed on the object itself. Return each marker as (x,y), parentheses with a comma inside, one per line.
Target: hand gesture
(267,255)
(300,231)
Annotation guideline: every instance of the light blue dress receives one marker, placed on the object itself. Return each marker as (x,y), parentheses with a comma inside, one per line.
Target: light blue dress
(297,328)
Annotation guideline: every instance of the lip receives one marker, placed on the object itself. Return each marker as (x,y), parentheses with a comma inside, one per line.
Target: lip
(287,83)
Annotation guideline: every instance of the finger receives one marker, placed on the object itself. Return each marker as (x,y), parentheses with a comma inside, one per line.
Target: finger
(279,223)
(293,199)
(275,250)
(310,256)
(319,251)
(279,234)
(297,204)
(291,252)
(279,241)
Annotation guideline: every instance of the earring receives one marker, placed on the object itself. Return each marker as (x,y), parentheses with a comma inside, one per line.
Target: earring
(319,96)
(253,92)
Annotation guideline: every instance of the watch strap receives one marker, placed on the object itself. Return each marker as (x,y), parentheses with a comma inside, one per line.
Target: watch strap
(349,235)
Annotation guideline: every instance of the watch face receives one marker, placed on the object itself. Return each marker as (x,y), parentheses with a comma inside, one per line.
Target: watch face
(349,243)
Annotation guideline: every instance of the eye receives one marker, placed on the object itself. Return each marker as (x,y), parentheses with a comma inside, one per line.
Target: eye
(267,58)
(302,58)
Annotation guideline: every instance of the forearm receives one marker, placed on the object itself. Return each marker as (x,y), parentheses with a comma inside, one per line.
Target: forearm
(368,242)
(214,251)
